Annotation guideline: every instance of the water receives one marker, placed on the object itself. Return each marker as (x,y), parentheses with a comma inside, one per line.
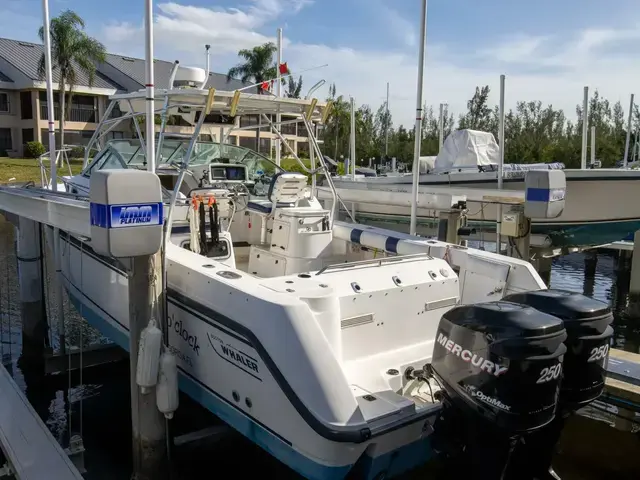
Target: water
(95,403)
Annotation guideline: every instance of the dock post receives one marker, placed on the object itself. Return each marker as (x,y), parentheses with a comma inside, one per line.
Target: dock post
(149,433)
(590,263)
(448,225)
(623,260)
(543,266)
(32,305)
(634,282)
(634,286)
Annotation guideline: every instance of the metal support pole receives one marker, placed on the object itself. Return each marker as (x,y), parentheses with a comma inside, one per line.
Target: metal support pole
(593,147)
(50,109)
(148,424)
(386,128)
(57,286)
(279,92)
(55,245)
(352,139)
(312,164)
(150,100)
(585,128)
(334,196)
(626,143)
(418,126)
(500,164)
(634,155)
(441,128)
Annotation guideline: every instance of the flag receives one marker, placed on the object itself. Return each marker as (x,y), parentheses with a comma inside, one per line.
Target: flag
(284,69)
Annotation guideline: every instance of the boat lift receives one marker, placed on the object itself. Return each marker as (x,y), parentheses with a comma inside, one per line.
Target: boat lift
(449,206)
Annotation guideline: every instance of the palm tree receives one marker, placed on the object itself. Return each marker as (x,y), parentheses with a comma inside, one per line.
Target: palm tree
(258,67)
(72,50)
(294,88)
(339,122)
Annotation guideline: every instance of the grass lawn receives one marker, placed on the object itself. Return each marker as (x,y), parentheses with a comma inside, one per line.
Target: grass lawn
(27,169)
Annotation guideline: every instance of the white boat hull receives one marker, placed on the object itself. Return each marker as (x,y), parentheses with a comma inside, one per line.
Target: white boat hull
(222,369)
(597,209)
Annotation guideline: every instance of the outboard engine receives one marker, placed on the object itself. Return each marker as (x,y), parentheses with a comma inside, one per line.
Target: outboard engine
(499,365)
(588,325)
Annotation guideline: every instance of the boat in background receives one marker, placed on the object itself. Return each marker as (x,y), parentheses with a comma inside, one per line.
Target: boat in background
(597,210)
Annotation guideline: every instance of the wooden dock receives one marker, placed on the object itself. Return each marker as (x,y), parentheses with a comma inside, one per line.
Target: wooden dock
(29,447)
(622,386)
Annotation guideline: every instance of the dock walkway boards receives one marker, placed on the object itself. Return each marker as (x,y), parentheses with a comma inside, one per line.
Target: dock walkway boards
(623,380)
(26,441)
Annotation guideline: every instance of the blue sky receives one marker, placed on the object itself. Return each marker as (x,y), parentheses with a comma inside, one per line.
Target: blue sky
(548,49)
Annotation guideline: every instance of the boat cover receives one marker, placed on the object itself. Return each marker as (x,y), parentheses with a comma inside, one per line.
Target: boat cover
(473,149)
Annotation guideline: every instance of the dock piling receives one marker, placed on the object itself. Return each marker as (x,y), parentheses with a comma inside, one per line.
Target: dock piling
(543,266)
(149,431)
(32,304)
(634,286)
(590,263)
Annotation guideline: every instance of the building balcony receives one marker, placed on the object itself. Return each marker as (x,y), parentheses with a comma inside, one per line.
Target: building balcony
(75,114)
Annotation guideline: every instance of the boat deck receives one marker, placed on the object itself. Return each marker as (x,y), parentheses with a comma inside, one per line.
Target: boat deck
(27,443)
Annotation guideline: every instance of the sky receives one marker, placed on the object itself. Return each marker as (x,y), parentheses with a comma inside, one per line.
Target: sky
(548,49)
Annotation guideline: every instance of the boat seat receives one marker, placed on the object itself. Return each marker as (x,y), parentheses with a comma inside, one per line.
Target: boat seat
(285,191)
(287,187)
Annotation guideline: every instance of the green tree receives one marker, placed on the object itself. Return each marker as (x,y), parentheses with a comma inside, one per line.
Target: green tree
(365,134)
(479,114)
(72,51)
(336,130)
(258,65)
(383,127)
(430,138)
(533,132)
(294,88)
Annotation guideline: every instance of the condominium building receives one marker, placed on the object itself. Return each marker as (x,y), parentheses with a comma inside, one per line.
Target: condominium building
(24,112)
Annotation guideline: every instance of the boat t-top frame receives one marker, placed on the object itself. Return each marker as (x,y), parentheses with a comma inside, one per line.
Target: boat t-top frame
(195,104)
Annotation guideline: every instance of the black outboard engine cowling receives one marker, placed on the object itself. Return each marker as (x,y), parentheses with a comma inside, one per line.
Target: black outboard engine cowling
(499,364)
(588,325)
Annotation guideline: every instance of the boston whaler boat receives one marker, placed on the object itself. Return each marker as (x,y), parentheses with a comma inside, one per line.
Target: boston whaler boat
(596,210)
(341,349)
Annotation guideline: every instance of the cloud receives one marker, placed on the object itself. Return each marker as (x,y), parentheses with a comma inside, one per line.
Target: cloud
(18,18)
(519,48)
(393,22)
(552,68)
(569,50)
